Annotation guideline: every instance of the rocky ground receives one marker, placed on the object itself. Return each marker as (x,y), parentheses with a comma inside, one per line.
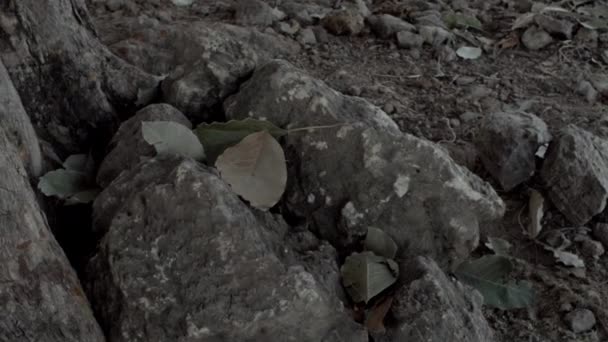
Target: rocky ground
(503,103)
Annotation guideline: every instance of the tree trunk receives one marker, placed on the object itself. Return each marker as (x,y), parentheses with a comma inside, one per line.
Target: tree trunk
(73,88)
(40,295)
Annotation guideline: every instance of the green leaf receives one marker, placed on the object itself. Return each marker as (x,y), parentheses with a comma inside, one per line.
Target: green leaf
(455,20)
(169,137)
(487,274)
(86,196)
(76,162)
(62,183)
(83,163)
(256,169)
(218,136)
(365,275)
(380,243)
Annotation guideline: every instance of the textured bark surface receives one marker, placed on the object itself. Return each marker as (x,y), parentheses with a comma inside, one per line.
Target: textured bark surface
(71,85)
(40,295)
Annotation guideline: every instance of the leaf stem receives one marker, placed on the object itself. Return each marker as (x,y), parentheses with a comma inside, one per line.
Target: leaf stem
(310,128)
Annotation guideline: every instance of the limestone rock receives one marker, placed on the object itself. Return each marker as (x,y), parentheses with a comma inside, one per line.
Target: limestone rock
(386,25)
(431,294)
(365,171)
(409,40)
(580,320)
(535,38)
(128,146)
(508,142)
(575,173)
(184,259)
(253,13)
(562,29)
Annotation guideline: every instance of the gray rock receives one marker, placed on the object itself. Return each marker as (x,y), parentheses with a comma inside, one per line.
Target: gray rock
(409,40)
(360,6)
(128,147)
(587,37)
(464,153)
(435,35)
(386,25)
(159,48)
(562,29)
(343,22)
(320,34)
(586,89)
(535,38)
(592,248)
(575,173)
(184,259)
(366,172)
(600,232)
(434,308)
(600,83)
(253,13)
(580,320)
(430,18)
(41,296)
(507,144)
(289,28)
(198,89)
(468,117)
(307,37)
(306,13)
(445,53)
(115,5)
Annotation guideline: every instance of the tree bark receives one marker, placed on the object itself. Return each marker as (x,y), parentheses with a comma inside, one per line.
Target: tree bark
(40,295)
(73,88)
(74,91)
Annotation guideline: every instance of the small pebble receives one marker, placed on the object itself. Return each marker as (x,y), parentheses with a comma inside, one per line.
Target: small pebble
(388,108)
(586,89)
(354,90)
(467,117)
(586,36)
(414,53)
(592,248)
(307,37)
(600,232)
(535,38)
(409,40)
(465,80)
(580,320)
(320,34)
(289,28)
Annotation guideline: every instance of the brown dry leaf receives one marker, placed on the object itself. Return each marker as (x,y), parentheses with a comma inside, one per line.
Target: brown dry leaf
(375,318)
(256,169)
(508,42)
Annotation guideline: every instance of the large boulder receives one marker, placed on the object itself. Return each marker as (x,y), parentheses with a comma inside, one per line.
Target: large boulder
(184,259)
(575,173)
(366,172)
(40,295)
(433,308)
(203,63)
(128,147)
(507,144)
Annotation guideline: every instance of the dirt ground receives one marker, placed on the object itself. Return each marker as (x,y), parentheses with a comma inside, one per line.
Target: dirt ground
(442,98)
